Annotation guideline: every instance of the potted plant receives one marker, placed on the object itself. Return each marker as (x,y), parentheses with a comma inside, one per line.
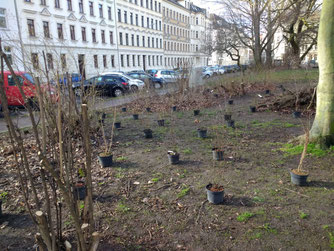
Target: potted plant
(252,107)
(117,125)
(215,193)
(196,112)
(230,101)
(161,121)
(123,109)
(230,123)
(79,190)
(173,157)
(148,133)
(299,176)
(105,157)
(174,108)
(135,116)
(217,149)
(148,109)
(202,132)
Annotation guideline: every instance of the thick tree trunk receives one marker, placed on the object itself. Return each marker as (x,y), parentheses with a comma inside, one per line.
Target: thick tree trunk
(257,34)
(323,126)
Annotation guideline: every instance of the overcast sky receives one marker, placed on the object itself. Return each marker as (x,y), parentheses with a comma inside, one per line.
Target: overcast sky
(211,5)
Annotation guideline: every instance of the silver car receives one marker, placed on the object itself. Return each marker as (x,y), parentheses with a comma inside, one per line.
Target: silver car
(168,76)
(135,84)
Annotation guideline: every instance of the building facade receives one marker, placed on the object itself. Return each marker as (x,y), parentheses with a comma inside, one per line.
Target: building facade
(96,36)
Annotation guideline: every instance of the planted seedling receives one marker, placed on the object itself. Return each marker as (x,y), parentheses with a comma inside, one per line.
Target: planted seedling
(215,193)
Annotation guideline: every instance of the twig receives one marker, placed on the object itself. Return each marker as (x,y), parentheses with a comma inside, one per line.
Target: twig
(162,187)
(200,210)
(297,192)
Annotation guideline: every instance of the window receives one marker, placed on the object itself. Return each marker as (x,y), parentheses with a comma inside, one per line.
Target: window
(111,37)
(83,34)
(125,17)
(148,42)
(141,3)
(155,6)
(147,4)
(138,40)
(121,38)
(128,60)
(96,62)
(49,61)
(57,4)
(196,20)
(134,60)
(109,13)
(113,61)
(152,42)
(122,60)
(142,21)
(101,10)
(157,42)
(46,29)
(156,24)
(160,25)
(159,7)
(133,40)
(103,36)
(91,8)
(119,14)
(126,39)
(131,18)
(63,61)
(43,2)
(196,34)
(31,27)
(137,19)
(60,31)
(149,60)
(72,32)
(105,61)
(3,23)
(152,60)
(148,22)
(81,9)
(69,5)
(143,41)
(11,81)
(151,4)
(94,35)
(138,60)
(34,60)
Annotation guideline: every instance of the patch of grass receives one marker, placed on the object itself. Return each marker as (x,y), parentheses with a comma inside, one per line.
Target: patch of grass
(244,217)
(269,124)
(183,192)
(122,208)
(303,215)
(187,151)
(121,158)
(258,199)
(256,236)
(129,143)
(331,239)
(313,149)
(212,113)
(157,177)
(179,115)
(161,130)
(269,229)
(324,227)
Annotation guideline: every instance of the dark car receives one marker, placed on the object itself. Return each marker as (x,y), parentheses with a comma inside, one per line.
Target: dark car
(111,85)
(148,79)
(152,72)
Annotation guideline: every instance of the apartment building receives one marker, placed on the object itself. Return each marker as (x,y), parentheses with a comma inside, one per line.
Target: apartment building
(176,27)
(67,35)
(140,38)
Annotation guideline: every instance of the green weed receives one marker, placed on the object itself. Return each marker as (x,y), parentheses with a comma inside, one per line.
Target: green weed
(324,227)
(187,151)
(312,149)
(183,192)
(244,217)
(303,215)
(269,229)
(258,199)
(122,208)
(331,239)
(121,158)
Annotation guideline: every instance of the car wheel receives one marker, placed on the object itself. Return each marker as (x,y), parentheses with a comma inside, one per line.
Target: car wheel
(134,88)
(117,92)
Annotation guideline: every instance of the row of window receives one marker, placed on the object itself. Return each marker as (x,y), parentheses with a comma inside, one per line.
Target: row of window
(175,15)
(173,30)
(136,60)
(73,34)
(149,4)
(133,19)
(151,41)
(174,46)
(81,7)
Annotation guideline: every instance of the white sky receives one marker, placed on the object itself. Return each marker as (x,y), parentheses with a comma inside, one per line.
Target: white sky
(211,5)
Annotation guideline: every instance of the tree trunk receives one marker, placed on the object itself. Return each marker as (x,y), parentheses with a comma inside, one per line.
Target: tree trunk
(322,129)
(257,39)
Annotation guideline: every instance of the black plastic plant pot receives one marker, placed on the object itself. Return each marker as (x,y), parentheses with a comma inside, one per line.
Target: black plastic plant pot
(196,112)
(148,109)
(117,125)
(161,122)
(252,109)
(230,102)
(300,180)
(202,133)
(227,117)
(148,133)
(267,92)
(173,157)
(123,109)
(215,197)
(230,123)
(217,154)
(135,116)
(79,190)
(105,160)
(296,114)
(174,108)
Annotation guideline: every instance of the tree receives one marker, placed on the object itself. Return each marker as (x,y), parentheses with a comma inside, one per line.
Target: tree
(300,26)
(322,130)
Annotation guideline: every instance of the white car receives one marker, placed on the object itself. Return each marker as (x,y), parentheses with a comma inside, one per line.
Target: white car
(135,84)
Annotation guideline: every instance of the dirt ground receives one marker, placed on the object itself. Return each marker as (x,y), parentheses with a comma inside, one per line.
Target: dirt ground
(144,203)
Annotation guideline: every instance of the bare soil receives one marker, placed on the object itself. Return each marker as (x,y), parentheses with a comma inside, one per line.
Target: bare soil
(143,203)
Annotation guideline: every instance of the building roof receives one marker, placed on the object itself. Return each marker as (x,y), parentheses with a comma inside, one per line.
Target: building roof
(197,9)
(177,3)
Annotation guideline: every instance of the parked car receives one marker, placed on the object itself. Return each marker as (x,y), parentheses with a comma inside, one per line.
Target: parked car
(75,77)
(206,73)
(12,91)
(111,85)
(168,76)
(146,78)
(135,84)
(222,70)
(152,71)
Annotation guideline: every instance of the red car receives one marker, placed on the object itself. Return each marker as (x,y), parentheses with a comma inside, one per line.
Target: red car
(13,94)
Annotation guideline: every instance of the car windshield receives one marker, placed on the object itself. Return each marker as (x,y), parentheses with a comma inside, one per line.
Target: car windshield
(29,78)
(128,77)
